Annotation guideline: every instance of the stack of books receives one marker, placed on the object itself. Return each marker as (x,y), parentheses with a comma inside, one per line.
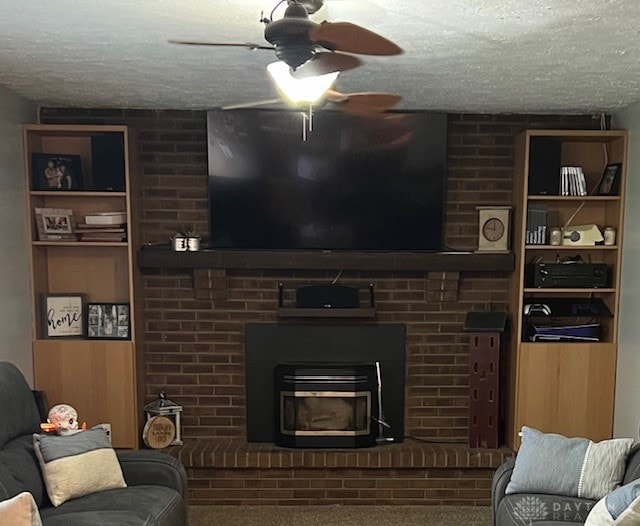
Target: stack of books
(103,226)
(101,233)
(536,233)
(572,181)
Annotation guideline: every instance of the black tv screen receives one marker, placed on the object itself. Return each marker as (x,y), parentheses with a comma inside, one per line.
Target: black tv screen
(366,183)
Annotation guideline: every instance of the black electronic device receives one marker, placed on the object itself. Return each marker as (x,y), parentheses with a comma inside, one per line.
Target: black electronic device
(562,307)
(327,297)
(107,163)
(544,166)
(567,275)
(370,182)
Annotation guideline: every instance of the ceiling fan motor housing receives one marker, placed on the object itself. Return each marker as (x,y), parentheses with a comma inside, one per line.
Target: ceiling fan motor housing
(310,5)
(290,36)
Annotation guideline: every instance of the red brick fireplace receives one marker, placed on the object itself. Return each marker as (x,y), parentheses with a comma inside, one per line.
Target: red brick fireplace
(195,322)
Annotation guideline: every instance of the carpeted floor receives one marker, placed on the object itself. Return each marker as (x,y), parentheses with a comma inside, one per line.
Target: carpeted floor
(340,516)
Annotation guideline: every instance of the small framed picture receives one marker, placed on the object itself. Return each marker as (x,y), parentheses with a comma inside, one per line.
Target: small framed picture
(55,224)
(608,184)
(63,315)
(56,172)
(108,321)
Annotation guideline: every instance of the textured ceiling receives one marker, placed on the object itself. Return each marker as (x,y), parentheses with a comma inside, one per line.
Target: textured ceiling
(460,55)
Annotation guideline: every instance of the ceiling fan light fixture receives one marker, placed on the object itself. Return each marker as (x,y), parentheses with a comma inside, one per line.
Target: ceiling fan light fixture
(307,90)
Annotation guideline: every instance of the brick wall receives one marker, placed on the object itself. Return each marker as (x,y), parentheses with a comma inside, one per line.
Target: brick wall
(194,320)
(194,342)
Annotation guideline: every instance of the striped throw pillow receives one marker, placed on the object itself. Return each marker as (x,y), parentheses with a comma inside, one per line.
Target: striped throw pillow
(76,465)
(576,467)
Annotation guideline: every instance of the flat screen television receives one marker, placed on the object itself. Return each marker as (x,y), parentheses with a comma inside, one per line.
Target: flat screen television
(362,183)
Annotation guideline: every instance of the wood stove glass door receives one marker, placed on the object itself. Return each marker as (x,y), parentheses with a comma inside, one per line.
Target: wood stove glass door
(325,413)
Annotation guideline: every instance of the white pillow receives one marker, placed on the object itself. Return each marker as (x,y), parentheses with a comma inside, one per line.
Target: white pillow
(21,510)
(620,508)
(76,465)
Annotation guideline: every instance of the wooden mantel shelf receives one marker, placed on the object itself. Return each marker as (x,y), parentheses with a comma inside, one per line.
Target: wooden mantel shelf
(161,257)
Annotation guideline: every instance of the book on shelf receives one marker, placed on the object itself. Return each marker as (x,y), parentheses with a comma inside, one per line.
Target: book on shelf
(101,232)
(83,227)
(536,232)
(106,218)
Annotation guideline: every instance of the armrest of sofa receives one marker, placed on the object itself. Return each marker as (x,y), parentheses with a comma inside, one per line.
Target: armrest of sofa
(153,468)
(632,471)
(501,479)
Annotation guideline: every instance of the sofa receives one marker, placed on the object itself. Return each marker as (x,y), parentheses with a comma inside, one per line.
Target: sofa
(545,509)
(155,492)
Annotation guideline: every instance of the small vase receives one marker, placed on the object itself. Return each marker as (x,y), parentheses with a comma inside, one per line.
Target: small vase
(193,244)
(179,244)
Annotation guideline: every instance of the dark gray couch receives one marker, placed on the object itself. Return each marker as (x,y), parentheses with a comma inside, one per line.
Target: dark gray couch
(545,510)
(156,492)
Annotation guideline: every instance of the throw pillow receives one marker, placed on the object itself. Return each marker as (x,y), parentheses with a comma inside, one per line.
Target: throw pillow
(620,508)
(76,465)
(575,467)
(21,510)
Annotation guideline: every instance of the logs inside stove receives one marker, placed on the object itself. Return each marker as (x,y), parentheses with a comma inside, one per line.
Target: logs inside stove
(328,405)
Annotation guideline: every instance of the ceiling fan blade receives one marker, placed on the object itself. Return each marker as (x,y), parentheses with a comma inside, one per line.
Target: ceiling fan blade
(344,36)
(326,62)
(252,104)
(248,45)
(361,103)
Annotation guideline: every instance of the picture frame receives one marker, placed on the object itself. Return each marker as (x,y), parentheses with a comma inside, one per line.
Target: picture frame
(55,224)
(63,315)
(56,172)
(608,184)
(108,321)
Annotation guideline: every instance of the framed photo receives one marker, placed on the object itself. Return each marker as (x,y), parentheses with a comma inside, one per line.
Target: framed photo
(55,224)
(56,172)
(608,184)
(108,321)
(62,315)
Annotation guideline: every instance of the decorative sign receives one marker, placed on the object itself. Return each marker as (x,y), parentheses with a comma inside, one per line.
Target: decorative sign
(62,315)
(158,432)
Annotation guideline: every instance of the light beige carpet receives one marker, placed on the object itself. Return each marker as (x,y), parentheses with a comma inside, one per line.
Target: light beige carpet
(340,516)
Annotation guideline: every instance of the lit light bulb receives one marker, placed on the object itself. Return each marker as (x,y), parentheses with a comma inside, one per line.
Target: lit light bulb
(300,91)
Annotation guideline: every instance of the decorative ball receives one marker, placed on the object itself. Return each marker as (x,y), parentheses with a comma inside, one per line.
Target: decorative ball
(63,416)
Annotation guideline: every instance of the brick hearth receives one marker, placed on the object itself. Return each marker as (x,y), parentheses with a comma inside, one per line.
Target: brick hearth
(235,473)
(194,327)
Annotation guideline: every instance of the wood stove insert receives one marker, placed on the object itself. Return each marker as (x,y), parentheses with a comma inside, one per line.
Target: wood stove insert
(374,351)
(326,405)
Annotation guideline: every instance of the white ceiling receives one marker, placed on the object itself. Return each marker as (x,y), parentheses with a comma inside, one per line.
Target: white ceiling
(460,55)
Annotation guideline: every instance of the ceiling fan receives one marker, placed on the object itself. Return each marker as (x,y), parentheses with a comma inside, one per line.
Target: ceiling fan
(311,50)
